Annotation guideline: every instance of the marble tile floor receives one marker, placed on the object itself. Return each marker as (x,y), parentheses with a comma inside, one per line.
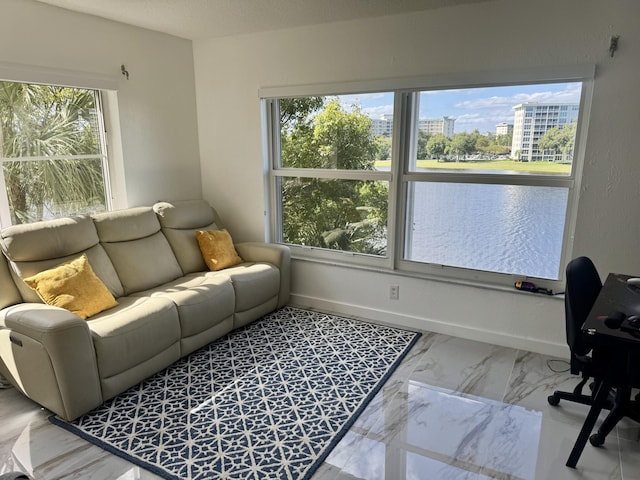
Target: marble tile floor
(454,409)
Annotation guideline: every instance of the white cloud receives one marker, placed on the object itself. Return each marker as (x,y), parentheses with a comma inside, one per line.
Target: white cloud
(489,102)
(571,94)
(360,98)
(377,112)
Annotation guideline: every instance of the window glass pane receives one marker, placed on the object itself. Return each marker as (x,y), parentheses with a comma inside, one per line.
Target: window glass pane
(509,229)
(45,189)
(45,120)
(55,136)
(521,129)
(349,215)
(347,132)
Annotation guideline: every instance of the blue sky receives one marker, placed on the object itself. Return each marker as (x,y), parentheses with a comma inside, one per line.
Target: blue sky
(473,108)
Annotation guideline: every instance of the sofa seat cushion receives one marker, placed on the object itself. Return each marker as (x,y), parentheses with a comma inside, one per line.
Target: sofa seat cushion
(136,330)
(202,301)
(253,283)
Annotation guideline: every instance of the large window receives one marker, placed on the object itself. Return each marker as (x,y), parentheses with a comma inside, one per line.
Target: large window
(333,191)
(458,181)
(52,153)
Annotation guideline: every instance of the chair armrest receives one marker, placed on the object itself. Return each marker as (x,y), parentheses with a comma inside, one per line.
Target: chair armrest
(278,255)
(47,352)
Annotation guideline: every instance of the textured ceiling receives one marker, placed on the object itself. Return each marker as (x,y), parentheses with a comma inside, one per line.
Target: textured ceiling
(199,19)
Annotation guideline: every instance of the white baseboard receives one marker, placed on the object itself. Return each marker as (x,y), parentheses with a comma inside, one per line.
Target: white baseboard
(425,324)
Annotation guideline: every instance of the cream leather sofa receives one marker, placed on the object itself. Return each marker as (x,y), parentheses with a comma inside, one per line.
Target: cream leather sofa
(169,303)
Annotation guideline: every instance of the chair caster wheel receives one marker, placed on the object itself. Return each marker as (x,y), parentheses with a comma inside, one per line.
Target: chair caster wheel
(553,400)
(596,440)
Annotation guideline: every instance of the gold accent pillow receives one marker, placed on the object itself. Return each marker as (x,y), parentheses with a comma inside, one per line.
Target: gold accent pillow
(217,249)
(74,286)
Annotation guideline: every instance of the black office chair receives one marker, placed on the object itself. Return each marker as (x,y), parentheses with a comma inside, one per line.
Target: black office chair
(582,287)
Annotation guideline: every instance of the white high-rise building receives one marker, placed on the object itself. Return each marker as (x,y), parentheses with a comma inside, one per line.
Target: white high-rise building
(442,125)
(531,121)
(504,128)
(384,125)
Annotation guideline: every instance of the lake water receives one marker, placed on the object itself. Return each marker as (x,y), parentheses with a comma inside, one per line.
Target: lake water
(510,229)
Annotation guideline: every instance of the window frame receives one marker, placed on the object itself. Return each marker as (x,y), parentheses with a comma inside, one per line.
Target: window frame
(105,91)
(276,173)
(406,92)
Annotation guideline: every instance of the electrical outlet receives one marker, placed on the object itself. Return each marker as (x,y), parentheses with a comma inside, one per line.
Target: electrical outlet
(394,292)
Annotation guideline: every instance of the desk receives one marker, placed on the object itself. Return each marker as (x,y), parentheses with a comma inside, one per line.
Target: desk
(615,295)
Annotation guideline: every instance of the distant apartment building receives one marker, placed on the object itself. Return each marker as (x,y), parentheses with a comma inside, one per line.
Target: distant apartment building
(504,128)
(384,125)
(531,121)
(442,125)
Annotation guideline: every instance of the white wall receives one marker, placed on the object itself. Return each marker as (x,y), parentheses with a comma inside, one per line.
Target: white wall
(499,35)
(160,133)
(156,106)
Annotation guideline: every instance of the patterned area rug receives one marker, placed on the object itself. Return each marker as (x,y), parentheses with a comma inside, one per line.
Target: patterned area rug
(268,401)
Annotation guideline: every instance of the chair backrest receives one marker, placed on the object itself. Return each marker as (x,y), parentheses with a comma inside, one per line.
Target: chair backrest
(581,291)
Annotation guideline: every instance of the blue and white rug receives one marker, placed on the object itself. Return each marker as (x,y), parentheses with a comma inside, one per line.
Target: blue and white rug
(268,401)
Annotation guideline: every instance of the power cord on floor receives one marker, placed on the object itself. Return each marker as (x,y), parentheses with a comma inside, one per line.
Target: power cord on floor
(551,361)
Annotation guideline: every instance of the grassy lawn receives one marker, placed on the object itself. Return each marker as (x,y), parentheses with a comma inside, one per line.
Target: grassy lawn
(525,167)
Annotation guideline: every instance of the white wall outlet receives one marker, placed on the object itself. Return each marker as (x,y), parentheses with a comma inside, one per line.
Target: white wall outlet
(394,292)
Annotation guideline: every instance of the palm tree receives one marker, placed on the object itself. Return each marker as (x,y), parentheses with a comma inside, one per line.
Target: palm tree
(43,127)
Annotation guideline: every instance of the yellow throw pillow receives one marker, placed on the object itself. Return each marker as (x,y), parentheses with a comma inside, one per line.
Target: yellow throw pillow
(73,285)
(217,249)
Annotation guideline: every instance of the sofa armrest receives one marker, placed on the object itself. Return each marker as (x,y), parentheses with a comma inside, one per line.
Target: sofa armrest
(47,352)
(278,255)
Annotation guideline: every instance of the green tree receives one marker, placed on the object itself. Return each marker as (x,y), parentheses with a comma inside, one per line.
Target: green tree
(438,145)
(339,214)
(384,147)
(495,149)
(560,139)
(493,145)
(483,143)
(46,121)
(503,140)
(463,144)
(296,112)
(423,141)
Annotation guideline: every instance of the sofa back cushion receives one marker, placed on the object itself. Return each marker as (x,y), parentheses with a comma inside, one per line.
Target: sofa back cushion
(138,250)
(49,239)
(34,247)
(180,221)
(9,294)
